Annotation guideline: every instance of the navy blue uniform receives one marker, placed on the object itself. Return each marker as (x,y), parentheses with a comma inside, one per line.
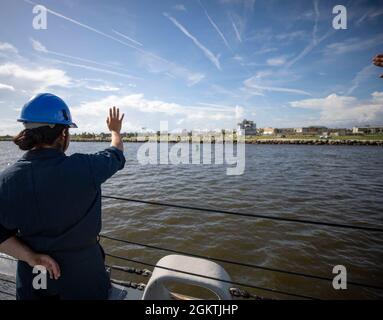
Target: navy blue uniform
(53,202)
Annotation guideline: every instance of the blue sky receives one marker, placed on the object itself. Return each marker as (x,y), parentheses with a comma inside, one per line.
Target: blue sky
(197,64)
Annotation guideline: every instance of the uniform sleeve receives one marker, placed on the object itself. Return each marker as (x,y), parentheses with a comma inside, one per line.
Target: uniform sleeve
(5,231)
(106,163)
(6,234)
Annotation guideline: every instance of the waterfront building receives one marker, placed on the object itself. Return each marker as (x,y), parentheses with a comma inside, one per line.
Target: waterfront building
(278,131)
(337,132)
(247,127)
(284,131)
(368,130)
(268,131)
(301,130)
(312,130)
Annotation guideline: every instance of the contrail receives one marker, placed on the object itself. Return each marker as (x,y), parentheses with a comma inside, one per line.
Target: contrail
(237,34)
(215,26)
(41,48)
(98,31)
(314,42)
(128,38)
(170,65)
(308,49)
(205,50)
(94,69)
(280,89)
(83,25)
(275,89)
(360,76)
(216,107)
(315,29)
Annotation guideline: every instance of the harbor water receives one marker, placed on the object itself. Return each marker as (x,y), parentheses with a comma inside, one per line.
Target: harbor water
(341,184)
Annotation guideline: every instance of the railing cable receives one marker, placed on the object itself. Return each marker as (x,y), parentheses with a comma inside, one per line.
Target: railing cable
(212,278)
(259,216)
(300,274)
(8,293)
(7,280)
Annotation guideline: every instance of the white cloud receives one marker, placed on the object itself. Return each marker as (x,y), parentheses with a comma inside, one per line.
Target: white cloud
(5,46)
(352,45)
(140,103)
(299,34)
(217,89)
(38,46)
(262,74)
(239,112)
(103,88)
(330,101)
(378,96)
(265,50)
(336,109)
(10,126)
(155,65)
(213,59)
(276,61)
(179,7)
(6,87)
(33,79)
(50,76)
(93,112)
(194,78)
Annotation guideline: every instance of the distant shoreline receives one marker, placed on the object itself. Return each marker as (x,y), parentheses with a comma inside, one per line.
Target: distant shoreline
(357,142)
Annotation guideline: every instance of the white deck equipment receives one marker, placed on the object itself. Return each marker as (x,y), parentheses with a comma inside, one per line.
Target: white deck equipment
(156,288)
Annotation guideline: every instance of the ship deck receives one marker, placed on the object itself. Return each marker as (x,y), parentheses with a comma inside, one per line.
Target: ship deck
(7,287)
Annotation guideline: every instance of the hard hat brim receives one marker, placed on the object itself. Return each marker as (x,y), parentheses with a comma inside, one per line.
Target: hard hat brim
(70,125)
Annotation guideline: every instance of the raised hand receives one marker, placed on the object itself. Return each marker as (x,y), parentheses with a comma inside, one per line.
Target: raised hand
(114,121)
(378,61)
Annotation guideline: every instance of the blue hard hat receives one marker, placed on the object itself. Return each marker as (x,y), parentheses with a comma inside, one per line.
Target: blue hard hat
(46,108)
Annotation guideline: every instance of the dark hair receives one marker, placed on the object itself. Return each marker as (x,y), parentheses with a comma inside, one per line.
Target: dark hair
(31,138)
